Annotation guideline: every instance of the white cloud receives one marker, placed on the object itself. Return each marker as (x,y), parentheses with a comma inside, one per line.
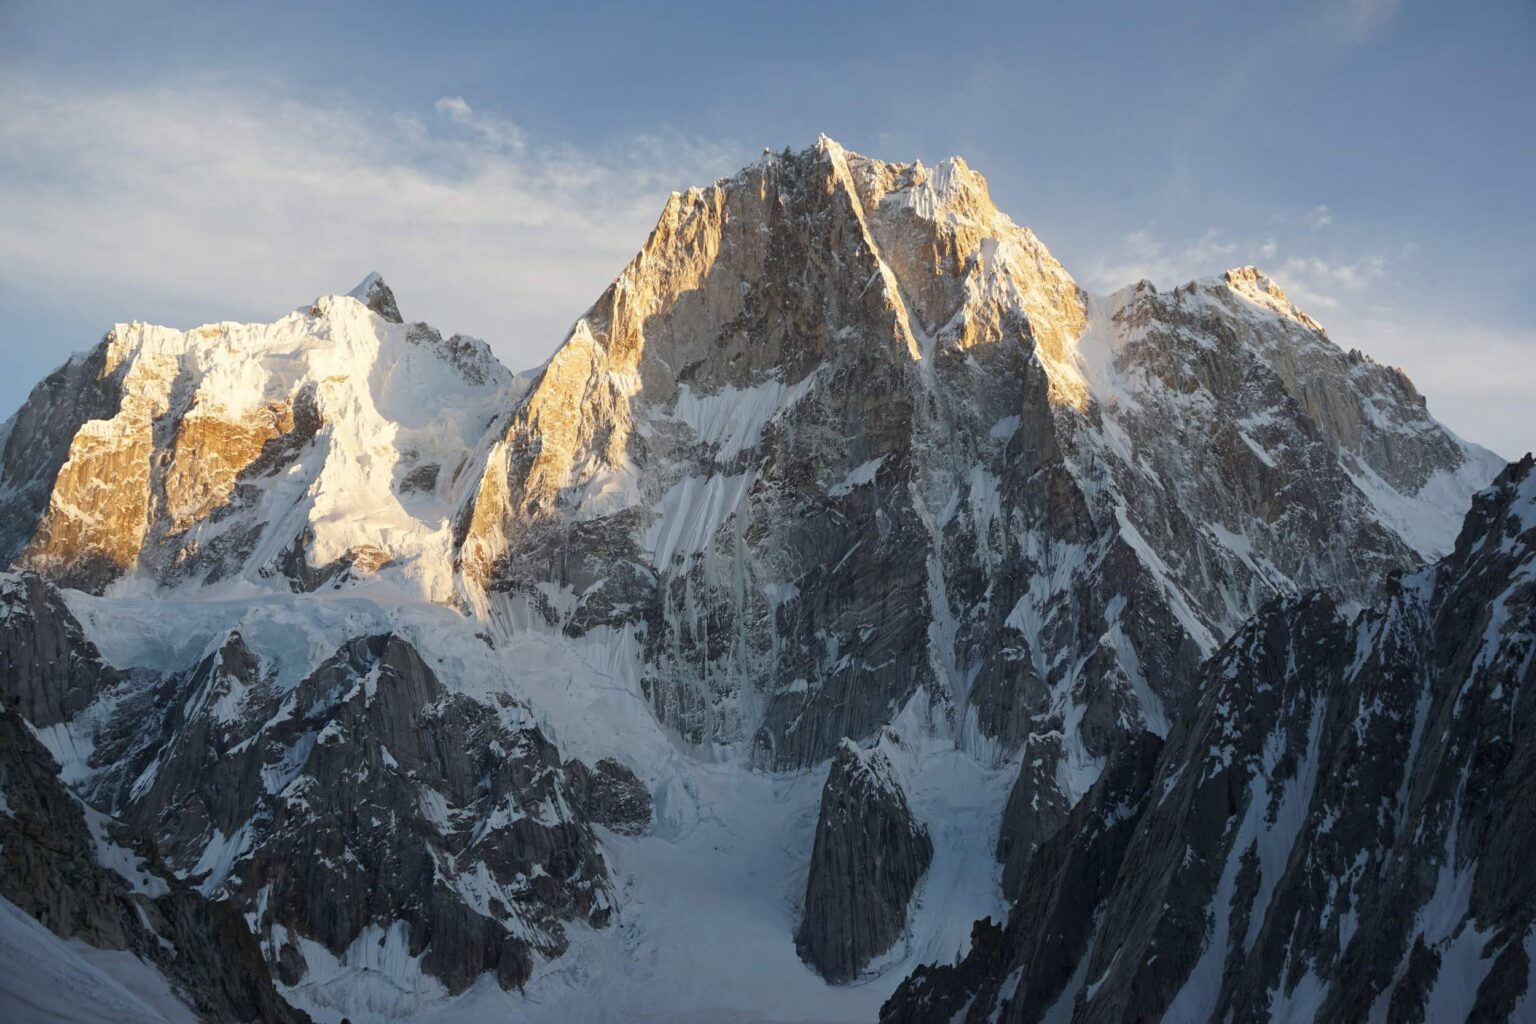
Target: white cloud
(171,203)
(1311,280)
(1367,17)
(1319,217)
(1476,378)
(494,131)
(1142,255)
(455,107)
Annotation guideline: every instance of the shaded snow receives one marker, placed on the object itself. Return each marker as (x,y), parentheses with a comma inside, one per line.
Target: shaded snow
(48,980)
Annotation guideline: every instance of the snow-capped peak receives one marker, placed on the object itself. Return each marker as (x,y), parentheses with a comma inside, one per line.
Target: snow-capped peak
(377,296)
(1262,290)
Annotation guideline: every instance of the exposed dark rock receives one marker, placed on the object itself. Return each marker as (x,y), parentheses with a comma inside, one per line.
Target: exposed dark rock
(371,794)
(368,794)
(609,794)
(1036,809)
(869,855)
(1338,828)
(1059,895)
(51,867)
(47,666)
(378,296)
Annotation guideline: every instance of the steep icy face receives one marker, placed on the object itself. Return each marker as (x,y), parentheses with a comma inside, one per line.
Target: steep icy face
(93,880)
(843,435)
(330,443)
(1335,830)
(1297,461)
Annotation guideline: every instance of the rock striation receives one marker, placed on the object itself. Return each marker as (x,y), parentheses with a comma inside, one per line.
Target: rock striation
(843,436)
(869,857)
(92,879)
(1331,832)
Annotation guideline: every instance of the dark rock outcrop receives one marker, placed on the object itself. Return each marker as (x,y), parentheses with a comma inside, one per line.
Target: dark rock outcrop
(1036,808)
(379,297)
(88,877)
(1337,829)
(869,856)
(610,795)
(48,667)
(369,794)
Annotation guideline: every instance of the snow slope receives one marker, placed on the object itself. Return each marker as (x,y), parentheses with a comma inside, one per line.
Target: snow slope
(47,980)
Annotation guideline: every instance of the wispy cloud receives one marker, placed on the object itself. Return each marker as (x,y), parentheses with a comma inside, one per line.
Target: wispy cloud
(1318,282)
(1319,217)
(1364,18)
(204,196)
(1142,255)
(1312,280)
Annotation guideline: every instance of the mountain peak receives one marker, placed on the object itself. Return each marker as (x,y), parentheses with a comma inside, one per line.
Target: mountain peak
(827,144)
(377,296)
(1251,278)
(1252,284)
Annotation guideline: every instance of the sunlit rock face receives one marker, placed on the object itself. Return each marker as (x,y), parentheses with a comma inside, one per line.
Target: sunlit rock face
(1330,833)
(328,444)
(842,435)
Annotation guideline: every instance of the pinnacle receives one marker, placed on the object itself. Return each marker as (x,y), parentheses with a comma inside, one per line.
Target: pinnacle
(377,296)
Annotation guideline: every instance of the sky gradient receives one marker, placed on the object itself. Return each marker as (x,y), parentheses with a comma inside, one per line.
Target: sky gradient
(499,163)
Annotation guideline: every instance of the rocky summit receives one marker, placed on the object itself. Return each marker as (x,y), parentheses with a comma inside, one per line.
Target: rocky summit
(853,618)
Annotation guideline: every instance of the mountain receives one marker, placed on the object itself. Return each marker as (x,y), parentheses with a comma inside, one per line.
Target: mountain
(845,546)
(141,944)
(293,455)
(1334,831)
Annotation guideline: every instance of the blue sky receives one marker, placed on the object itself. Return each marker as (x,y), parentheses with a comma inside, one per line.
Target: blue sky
(498,163)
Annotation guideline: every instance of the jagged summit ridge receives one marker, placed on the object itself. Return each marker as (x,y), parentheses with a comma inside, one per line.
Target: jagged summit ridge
(824,295)
(820,327)
(327,443)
